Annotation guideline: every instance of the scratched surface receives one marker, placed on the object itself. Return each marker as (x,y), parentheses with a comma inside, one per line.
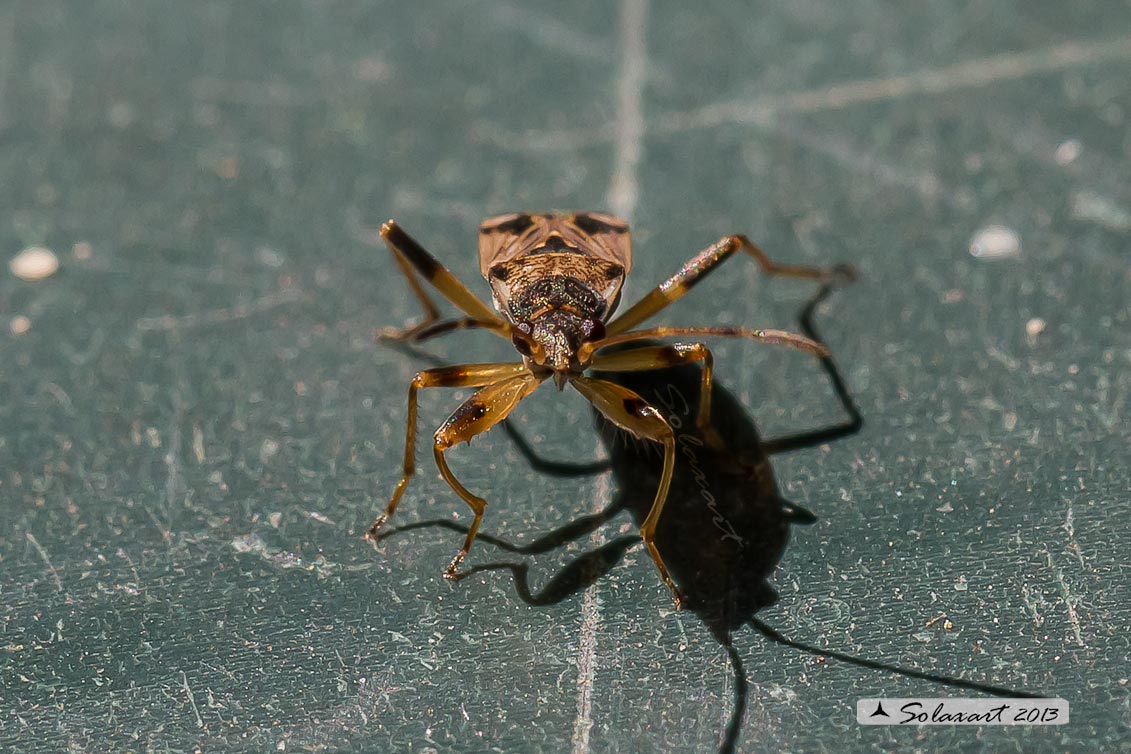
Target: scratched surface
(196,427)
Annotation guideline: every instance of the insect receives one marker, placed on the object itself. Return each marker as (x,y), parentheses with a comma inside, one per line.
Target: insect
(556,280)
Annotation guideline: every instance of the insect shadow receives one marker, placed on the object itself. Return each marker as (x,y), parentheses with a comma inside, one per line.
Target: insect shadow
(725,526)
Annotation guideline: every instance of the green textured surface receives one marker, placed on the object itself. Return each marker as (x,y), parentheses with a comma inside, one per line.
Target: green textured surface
(197,427)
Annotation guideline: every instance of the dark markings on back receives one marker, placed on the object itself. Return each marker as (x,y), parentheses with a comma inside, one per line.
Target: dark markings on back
(516,225)
(555,244)
(591,225)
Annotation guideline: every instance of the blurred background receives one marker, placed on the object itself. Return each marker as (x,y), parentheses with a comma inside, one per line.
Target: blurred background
(196,426)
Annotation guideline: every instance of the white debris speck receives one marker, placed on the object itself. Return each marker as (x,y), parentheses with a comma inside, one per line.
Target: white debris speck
(121,115)
(269,257)
(34,264)
(1035,327)
(268,450)
(995,242)
(371,69)
(1093,207)
(1067,151)
(19,324)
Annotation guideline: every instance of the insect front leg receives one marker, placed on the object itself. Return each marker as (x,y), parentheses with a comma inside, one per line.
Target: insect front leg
(661,357)
(632,413)
(463,375)
(489,406)
(431,313)
(428,329)
(413,259)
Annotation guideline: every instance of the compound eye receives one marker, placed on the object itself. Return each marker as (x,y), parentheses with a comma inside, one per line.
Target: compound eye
(521,339)
(594,329)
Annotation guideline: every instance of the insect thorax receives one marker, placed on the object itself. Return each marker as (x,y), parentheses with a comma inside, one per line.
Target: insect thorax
(561,299)
(557,276)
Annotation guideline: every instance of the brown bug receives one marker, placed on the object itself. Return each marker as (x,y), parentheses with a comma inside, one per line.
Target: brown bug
(556,279)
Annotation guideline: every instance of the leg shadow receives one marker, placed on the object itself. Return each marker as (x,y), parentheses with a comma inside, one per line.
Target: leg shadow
(725,525)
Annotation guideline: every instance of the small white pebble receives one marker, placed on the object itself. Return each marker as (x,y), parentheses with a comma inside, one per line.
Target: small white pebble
(269,257)
(121,114)
(35,263)
(1035,327)
(268,450)
(1093,207)
(371,69)
(19,324)
(995,242)
(1067,151)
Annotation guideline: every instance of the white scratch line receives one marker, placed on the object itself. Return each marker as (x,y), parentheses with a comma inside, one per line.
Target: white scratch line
(253,544)
(549,33)
(854,158)
(192,700)
(7,57)
(46,560)
(1070,601)
(1070,529)
(622,198)
(173,457)
(968,74)
(586,659)
(218,316)
(629,130)
(250,93)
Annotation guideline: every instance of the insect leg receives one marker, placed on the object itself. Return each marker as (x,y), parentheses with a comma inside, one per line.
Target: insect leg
(632,413)
(428,329)
(489,406)
(431,313)
(413,259)
(777,337)
(462,375)
(708,259)
(660,357)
